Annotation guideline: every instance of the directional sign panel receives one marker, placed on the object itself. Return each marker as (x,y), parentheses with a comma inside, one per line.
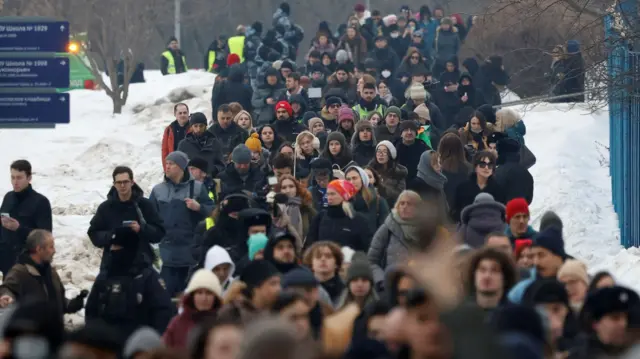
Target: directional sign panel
(34,36)
(34,108)
(34,72)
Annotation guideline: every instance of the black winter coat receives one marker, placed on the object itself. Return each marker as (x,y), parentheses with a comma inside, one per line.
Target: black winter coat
(231,182)
(112,212)
(206,147)
(289,129)
(454,179)
(409,156)
(334,225)
(468,190)
(229,234)
(514,179)
(363,153)
(33,211)
(234,90)
(229,137)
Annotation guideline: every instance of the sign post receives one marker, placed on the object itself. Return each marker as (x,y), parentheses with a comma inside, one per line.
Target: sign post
(32,67)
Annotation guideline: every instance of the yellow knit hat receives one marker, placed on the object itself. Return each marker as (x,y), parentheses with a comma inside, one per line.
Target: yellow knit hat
(253,142)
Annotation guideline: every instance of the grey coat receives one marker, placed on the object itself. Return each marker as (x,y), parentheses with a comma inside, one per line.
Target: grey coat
(178,248)
(480,219)
(388,241)
(265,113)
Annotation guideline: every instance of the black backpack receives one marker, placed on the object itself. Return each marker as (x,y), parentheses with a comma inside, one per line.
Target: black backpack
(119,297)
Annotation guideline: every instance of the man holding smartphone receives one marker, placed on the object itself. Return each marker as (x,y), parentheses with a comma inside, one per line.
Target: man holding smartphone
(22,211)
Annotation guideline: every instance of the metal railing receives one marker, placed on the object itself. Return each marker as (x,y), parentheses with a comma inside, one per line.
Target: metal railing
(624,134)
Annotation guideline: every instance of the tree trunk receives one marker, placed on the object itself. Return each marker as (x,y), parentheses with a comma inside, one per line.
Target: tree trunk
(117,104)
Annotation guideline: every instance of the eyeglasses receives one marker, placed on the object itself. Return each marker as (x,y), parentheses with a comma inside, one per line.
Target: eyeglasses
(382,152)
(489,165)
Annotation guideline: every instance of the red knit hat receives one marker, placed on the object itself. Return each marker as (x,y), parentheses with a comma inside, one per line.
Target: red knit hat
(344,188)
(233,59)
(286,106)
(515,206)
(522,244)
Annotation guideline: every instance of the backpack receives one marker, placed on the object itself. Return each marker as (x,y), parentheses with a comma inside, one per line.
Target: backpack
(119,297)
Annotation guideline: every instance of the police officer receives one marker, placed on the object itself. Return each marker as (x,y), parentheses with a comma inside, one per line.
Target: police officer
(173,60)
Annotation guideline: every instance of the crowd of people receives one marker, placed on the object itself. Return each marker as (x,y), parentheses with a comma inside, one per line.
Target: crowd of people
(378,210)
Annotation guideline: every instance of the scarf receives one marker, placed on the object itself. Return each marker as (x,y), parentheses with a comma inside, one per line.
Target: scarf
(410,229)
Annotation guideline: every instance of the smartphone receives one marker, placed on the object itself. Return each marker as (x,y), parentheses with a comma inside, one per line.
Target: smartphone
(127,223)
(6,215)
(273,180)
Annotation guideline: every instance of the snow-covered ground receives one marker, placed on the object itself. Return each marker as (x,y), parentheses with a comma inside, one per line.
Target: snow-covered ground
(73,164)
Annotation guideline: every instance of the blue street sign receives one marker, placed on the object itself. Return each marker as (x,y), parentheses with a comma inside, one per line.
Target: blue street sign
(34,108)
(34,72)
(34,36)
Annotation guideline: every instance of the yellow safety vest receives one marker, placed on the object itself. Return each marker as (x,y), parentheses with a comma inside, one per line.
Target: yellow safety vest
(171,68)
(211,60)
(209,223)
(364,113)
(236,46)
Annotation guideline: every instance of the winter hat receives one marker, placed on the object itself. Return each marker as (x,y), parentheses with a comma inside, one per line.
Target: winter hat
(573,268)
(359,8)
(515,206)
(546,291)
(390,147)
(216,256)
(361,126)
(143,340)
(285,105)
(359,268)
(277,65)
(505,147)
(257,27)
(234,203)
(204,279)
(345,113)
(253,143)
(270,72)
(320,164)
(489,113)
(285,8)
(423,112)
(361,173)
(551,240)
(521,346)
(315,142)
(333,100)
(179,158)
(342,56)
(314,121)
(408,125)
(344,188)
(299,277)
(550,218)
(347,254)
(241,155)
(287,65)
(609,300)
(199,163)
(394,110)
(521,245)
(256,243)
(197,118)
(233,59)
(337,136)
(258,272)
(417,92)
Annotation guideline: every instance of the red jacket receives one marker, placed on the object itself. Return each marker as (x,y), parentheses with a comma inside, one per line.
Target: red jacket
(168,143)
(180,326)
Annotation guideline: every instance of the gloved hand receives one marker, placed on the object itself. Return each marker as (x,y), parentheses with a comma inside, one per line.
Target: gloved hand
(77,303)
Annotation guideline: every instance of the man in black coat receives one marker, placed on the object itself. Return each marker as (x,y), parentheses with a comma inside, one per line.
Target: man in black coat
(126,212)
(241,177)
(514,179)
(200,143)
(22,211)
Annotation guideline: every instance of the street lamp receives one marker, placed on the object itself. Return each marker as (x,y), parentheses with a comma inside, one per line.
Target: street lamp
(176,20)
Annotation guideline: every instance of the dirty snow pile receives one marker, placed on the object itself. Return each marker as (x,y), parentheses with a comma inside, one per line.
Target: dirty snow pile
(72,164)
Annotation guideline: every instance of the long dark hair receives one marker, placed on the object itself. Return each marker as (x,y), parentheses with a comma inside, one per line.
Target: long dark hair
(452,155)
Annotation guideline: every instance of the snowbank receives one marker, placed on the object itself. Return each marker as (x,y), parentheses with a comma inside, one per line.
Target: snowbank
(73,163)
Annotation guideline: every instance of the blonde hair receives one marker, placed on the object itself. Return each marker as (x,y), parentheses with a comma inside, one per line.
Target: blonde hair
(505,119)
(411,195)
(244,113)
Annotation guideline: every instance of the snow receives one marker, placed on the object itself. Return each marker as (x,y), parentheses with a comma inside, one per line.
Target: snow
(73,164)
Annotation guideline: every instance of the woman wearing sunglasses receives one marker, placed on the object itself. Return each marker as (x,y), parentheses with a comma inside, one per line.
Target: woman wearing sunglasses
(481,180)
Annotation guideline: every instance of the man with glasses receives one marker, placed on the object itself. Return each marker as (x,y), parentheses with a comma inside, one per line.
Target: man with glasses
(329,113)
(389,131)
(176,131)
(126,213)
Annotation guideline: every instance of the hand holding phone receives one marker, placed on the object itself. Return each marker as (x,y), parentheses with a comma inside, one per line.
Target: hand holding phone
(5,215)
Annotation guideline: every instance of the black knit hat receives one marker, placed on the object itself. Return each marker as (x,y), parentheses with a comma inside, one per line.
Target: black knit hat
(408,125)
(333,100)
(299,277)
(359,268)
(198,118)
(546,291)
(199,163)
(519,319)
(258,272)
(551,240)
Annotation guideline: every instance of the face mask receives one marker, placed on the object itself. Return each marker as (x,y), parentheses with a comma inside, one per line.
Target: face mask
(395,35)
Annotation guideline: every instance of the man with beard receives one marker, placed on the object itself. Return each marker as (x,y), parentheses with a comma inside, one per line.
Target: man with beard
(200,143)
(367,103)
(34,277)
(240,176)
(491,275)
(286,126)
(281,252)
(130,294)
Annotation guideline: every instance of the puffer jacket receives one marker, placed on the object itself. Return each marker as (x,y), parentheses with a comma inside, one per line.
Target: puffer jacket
(447,45)
(265,113)
(479,219)
(388,247)
(178,247)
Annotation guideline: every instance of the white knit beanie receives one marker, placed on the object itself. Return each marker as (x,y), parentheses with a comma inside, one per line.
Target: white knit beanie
(390,147)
